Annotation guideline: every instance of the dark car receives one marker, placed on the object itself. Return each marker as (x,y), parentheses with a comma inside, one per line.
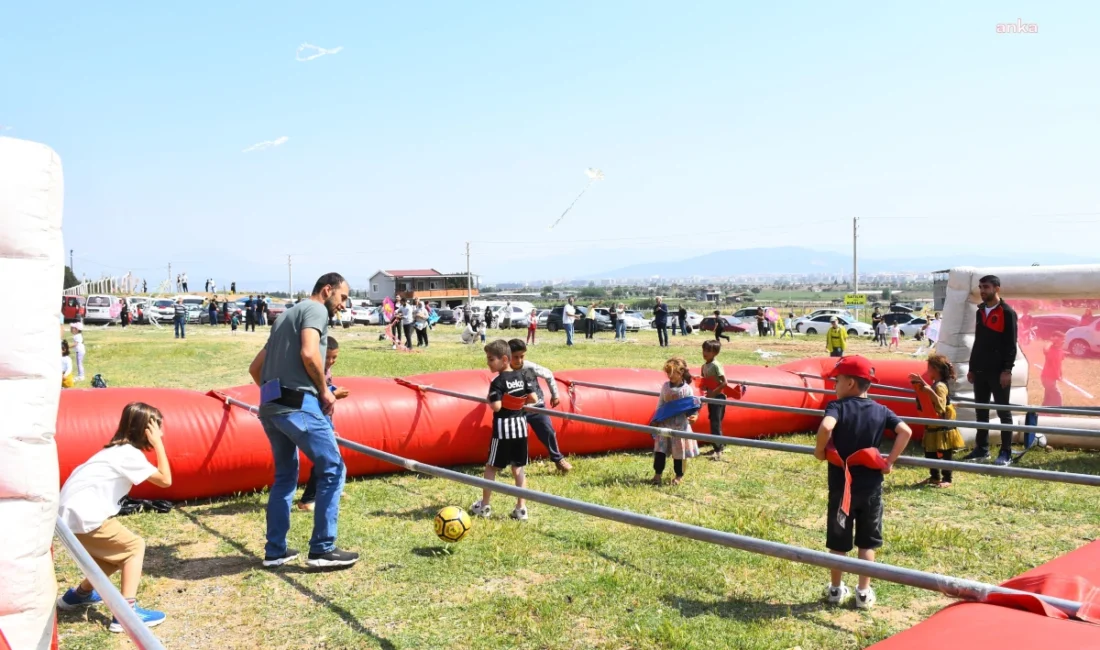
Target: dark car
(276,309)
(1046,325)
(896,318)
(446,316)
(554,322)
(729,324)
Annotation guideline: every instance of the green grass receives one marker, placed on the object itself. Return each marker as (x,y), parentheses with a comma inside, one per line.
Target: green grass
(561,580)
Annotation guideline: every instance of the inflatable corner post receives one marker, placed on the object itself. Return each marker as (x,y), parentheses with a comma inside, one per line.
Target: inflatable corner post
(31,275)
(960,310)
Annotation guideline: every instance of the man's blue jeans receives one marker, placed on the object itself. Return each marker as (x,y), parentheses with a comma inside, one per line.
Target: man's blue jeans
(620,329)
(569,334)
(180,328)
(309,430)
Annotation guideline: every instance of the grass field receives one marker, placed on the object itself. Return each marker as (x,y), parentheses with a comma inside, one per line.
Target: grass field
(561,580)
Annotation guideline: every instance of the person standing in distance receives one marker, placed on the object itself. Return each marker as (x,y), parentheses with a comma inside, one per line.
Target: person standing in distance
(294,403)
(991,360)
(568,319)
(660,321)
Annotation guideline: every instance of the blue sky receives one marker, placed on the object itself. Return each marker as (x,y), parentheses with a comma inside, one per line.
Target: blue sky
(718,125)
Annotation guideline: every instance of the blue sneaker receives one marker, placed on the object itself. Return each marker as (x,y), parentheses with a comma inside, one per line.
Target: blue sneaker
(71,599)
(150,617)
(1004,458)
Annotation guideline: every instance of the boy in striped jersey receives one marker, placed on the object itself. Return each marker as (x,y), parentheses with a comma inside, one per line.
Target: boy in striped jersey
(508,393)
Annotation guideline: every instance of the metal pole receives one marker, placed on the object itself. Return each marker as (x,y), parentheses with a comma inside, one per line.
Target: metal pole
(289,279)
(947,585)
(855,255)
(139,633)
(898,389)
(820,391)
(927,463)
(1060,410)
(469,282)
(931,422)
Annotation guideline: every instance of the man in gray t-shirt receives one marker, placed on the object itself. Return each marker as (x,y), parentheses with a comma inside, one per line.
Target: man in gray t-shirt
(295,410)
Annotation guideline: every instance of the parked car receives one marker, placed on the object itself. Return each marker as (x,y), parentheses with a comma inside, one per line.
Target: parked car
(899,308)
(1045,325)
(366,315)
(800,322)
(748,313)
(554,322)
(852,326)
(103,309)
(519,318)
(276,309)
(729,324)
(163,309)
(636,321)
(446,316)
(543,315)
(693,319)
(896,317)
(73,308)
(913,327)
(1084,340)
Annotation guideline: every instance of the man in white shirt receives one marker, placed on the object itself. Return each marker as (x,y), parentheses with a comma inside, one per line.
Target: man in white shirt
(568,318)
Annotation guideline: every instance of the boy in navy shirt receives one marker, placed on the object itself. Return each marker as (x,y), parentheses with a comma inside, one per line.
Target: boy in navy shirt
(508,393)
(848,438)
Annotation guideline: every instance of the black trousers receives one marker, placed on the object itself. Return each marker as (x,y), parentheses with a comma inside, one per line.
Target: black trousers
(408,327)
(659,464)
(935,473)
(397,332)
(662,335)
(249,321)
(719,335)
(589,328)
(987,385)
(422,337)
(716,413)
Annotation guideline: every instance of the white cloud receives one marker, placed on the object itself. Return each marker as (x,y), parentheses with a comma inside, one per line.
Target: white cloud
(318,52)
(267,144)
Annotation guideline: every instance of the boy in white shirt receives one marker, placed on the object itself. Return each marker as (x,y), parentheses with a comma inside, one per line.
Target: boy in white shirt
(90,500)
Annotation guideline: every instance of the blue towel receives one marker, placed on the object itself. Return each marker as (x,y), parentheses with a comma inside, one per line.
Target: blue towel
(682,406)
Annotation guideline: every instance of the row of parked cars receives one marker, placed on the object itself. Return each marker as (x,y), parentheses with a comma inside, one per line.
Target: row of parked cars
(105,309)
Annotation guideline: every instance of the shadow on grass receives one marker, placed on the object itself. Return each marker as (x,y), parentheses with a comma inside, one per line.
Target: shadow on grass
(415,514)
(230,507)
(98,615)
(432,551)
(749,610)
(283,574)
(588,546)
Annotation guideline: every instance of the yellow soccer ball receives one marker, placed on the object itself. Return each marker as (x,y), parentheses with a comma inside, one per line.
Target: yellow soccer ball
(451,524)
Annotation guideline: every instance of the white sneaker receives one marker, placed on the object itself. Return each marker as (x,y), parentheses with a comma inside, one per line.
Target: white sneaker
(837,595)
(479,510)
(519,514)
(865,599)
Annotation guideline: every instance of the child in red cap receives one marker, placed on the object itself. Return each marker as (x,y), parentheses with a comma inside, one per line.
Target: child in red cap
(848,438)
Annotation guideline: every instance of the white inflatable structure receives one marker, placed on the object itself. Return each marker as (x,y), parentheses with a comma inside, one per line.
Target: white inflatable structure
(31,275)
(956,336)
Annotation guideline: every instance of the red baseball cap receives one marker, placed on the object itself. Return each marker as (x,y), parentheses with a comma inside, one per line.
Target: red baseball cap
(854,366)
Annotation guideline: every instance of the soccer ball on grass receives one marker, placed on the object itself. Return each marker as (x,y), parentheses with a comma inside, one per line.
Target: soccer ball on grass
(451,524)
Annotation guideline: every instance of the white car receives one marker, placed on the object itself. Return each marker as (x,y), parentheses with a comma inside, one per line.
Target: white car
(163,309)
(821,323)
(693,320)
(635,321)
(1083,341)
(799,323)
(909,330)
(366,315)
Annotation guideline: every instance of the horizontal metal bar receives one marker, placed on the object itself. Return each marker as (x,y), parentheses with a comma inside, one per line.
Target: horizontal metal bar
(139,633)
(1020,408)
(898,389)
(910,461)
(931,422)
(820,391)
(948,585)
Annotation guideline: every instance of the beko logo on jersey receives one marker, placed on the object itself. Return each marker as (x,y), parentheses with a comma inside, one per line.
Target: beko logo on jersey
(512,385)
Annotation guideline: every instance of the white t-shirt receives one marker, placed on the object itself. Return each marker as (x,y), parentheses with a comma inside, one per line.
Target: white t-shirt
(66,366)
(569,315)
(91,495)
(895,331)
(78,342)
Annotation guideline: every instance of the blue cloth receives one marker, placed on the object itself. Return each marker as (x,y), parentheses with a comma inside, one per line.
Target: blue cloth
(682,406)
(309,430)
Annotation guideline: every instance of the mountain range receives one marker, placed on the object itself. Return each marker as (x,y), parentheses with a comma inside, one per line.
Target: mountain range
(792,260)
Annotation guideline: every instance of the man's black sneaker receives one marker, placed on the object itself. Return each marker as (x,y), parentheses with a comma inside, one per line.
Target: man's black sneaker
(977,454)
(334,558)
(279,560)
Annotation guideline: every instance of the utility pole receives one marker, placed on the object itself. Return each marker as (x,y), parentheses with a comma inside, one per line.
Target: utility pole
(71,261)
(855,255)
(170,274)
(469,284)
(289,279)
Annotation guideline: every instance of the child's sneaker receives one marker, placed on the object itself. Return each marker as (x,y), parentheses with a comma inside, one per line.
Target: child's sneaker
(479,510)
(865,599)
(837,595)
(150,617)
(519,514)
(71,599)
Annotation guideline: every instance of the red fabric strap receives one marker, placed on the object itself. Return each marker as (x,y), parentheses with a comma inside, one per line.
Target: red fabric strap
(866,457)
(513,403)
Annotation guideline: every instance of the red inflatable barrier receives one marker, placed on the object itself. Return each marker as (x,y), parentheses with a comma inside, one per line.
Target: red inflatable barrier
(217,450)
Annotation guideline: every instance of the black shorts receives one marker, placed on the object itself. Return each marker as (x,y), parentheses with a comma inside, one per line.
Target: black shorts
(864,519)
(505,452)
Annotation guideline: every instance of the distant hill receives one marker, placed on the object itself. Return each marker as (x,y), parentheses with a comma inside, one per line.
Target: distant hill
(804,261)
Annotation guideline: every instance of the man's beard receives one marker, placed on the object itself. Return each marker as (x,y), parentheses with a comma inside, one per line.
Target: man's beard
(332,306)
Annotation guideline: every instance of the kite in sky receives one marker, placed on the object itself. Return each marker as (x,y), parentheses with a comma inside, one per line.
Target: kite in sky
(316,52)
(267,144)
(593,176)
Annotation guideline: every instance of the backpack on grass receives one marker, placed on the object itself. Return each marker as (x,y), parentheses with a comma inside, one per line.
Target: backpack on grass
(99,382)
